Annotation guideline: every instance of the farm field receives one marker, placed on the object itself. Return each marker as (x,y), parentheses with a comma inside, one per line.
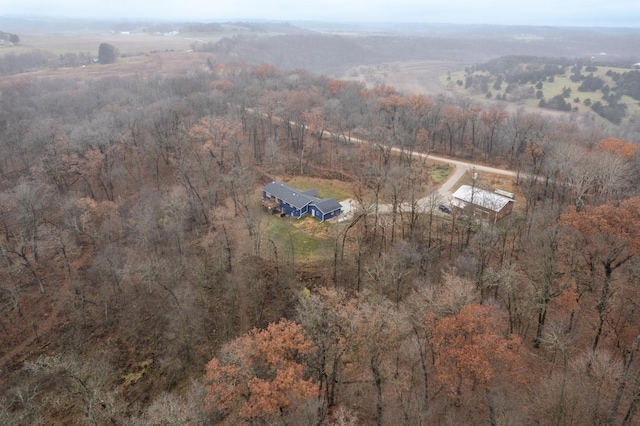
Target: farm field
(160,64)
(60,41)
(129,44)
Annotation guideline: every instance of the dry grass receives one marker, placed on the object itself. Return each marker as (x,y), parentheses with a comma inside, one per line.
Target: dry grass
(326,188)
(409,77)
(306,238)
(163,64)
(128,44)
(439,172)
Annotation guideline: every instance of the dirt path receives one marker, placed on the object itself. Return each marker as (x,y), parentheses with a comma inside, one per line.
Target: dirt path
(421,77)
(445,190)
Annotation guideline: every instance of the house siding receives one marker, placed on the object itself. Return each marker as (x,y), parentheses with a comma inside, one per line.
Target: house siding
(289,210)
(299,198)
(332,214)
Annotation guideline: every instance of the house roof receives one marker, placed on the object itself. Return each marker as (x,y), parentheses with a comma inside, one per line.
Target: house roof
(299,199)
(288,194)
(479,197)
(327,205)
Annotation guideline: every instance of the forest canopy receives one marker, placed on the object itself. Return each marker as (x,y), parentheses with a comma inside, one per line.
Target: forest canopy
(143,282)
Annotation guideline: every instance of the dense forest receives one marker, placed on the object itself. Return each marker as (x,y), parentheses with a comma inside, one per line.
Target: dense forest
(329,52)
(340,52)
(139,284)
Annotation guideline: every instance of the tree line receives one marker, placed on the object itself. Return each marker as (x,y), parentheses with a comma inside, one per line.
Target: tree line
(9,37)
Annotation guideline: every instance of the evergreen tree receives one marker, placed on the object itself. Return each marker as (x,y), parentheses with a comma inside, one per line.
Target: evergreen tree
(107,53)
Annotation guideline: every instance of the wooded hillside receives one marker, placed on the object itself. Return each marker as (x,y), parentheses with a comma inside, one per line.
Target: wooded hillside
(141,281)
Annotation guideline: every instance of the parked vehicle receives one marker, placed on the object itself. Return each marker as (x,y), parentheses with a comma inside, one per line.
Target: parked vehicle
(445,209)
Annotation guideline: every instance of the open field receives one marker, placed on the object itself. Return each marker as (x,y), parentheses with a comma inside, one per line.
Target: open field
(162,63)
(59,38)
(326,188)
(306,238)
(410,77)
(89,41)
(430,78)
(549,90)
(421,77)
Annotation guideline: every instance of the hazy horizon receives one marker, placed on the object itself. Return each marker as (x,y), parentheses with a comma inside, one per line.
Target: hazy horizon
(578,13)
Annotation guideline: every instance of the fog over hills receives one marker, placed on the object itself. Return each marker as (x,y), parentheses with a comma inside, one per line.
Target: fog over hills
(616,13)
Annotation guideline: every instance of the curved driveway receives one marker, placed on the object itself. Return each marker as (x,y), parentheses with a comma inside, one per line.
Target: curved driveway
(445,190)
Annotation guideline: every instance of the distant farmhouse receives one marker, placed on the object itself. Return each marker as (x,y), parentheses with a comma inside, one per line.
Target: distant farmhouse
(482,203)
(292,202)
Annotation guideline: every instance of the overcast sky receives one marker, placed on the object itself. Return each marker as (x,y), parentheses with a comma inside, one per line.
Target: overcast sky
(611,13)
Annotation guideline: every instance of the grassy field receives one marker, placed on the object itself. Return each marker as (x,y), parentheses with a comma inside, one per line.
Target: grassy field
(59,44)
(129,43)
(326,188)
(409,77)
(439,172)
(306,238)
(551,89)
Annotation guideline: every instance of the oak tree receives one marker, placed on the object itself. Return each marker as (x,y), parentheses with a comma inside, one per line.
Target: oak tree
(472,352)
(604,238)
(261,374)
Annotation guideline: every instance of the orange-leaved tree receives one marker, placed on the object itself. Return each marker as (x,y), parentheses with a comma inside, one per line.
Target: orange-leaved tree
(472,351)
(618,147)
(603,238)
(261,374)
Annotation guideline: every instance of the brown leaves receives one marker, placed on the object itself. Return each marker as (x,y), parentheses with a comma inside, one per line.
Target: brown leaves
(266,71)
(224,86)
(261,373)
(336,87)
(314,121)
(391,103)
(617,225)
(493,116)
(420,104)
(471,349)
(618,147)
(200,132)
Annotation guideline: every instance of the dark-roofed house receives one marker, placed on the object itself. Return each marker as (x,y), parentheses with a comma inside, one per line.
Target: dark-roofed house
(292,202)
(481,203)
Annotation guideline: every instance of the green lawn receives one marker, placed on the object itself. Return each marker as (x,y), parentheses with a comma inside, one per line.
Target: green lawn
(297,236)
(326,188)
(439,172)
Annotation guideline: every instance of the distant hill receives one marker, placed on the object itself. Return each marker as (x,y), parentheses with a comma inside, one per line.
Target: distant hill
(337,49)
(607,86)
